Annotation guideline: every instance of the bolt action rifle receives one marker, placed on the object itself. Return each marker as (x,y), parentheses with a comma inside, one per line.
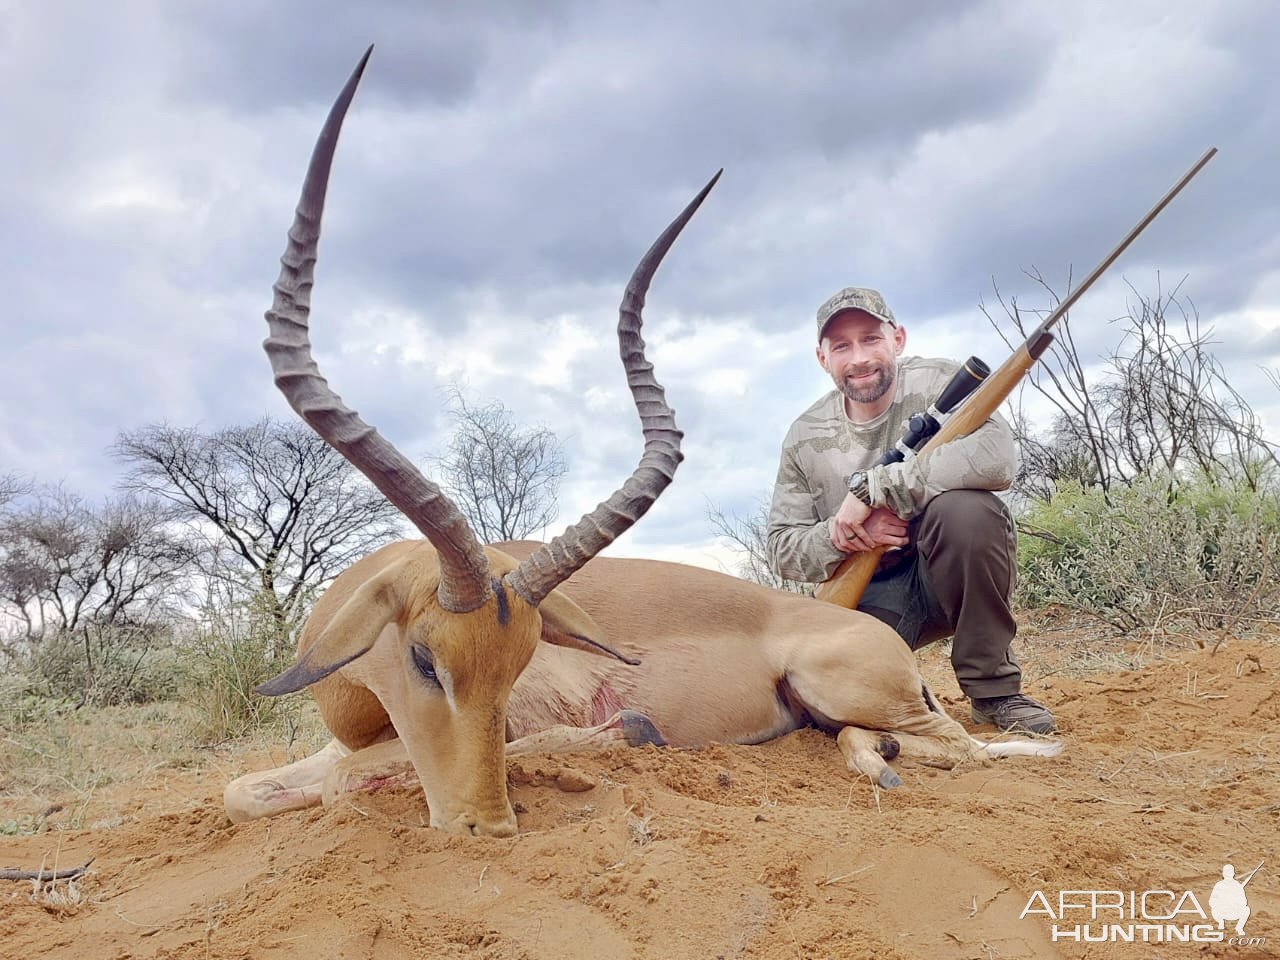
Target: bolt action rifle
(984,396)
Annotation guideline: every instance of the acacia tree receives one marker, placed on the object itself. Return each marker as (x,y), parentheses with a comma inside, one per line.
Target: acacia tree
(505,478)
(275,507)
(93,588)
(15,593)
(65,563)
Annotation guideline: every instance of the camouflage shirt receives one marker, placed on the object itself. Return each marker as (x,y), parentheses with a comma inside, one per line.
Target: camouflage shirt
(823,447)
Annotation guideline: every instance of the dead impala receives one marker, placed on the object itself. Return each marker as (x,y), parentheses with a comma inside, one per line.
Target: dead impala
(446,655)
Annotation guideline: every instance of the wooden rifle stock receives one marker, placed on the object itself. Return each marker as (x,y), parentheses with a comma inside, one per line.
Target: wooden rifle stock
(847,584)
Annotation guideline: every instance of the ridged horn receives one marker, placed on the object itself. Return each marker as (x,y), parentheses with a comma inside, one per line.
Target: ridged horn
(554,562)
(464,568)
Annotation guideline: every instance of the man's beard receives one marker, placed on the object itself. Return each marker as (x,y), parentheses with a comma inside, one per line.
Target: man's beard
(867,392)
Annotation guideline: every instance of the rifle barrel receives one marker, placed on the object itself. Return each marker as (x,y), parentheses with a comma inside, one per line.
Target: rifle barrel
(1101,268)
(993,390)
(1251,873)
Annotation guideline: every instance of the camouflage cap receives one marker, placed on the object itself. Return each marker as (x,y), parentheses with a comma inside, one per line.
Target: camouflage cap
(855,298)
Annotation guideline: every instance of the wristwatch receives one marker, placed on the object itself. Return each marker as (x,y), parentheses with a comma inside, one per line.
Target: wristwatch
(860,486)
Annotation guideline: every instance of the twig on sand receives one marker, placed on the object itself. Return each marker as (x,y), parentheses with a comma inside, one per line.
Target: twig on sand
(1116,772)
(1162,757)
(45,875)
(1097,798)
(149,929)
(844,876)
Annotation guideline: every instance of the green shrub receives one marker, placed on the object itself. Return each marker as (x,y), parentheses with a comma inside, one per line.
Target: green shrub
(27,701)
(233,651)
(1194,553)
(102,664)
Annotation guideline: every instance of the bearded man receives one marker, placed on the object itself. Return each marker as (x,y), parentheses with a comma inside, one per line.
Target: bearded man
(951,566)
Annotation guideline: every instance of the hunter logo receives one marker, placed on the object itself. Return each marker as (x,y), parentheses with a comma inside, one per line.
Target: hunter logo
(1228,900)
(1149,916)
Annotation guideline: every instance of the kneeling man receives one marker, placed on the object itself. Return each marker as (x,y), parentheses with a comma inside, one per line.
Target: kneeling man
(952,570)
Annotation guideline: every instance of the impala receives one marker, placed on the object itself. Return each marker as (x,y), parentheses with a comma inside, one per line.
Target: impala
(442,656)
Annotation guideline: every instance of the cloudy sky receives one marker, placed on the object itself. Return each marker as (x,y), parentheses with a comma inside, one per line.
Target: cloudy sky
(506,163)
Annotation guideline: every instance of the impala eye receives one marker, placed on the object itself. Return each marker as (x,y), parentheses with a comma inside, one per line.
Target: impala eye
(424,662)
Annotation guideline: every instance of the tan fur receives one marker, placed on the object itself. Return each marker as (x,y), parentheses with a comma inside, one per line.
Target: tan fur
(715,648)
(723,660)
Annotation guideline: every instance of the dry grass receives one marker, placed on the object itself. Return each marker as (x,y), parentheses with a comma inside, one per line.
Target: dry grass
(640,830)
(50,771)
(62,898)
(1059,642)
(68,770)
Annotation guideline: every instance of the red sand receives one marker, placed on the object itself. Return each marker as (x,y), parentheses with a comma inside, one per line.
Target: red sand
(769,851)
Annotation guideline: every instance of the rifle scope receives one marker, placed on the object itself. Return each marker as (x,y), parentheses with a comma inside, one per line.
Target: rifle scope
(924,425)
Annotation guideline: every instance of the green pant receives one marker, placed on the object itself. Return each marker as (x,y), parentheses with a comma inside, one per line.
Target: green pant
(956,580)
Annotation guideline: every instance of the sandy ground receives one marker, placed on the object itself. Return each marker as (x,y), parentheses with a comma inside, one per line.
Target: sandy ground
(770,851)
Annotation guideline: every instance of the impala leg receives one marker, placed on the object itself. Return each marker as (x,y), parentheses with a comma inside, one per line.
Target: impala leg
(292,787)
(626,727)
(385,764)
(869,690)
(865,752)
(936,740)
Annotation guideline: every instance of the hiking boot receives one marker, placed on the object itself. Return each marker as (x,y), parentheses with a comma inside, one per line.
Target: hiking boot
(1015,713)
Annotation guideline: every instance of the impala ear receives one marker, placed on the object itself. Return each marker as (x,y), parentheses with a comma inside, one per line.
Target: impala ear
(349,635)
(566,624)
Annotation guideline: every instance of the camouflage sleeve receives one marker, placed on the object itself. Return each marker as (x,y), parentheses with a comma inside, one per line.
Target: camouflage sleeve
(986,459)
(798,539)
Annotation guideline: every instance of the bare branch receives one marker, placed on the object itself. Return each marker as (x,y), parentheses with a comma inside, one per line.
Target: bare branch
(1162,404)
(748,536)
(45,876)
(505,478)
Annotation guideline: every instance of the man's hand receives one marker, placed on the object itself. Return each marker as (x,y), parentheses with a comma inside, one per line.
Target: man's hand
(857,526)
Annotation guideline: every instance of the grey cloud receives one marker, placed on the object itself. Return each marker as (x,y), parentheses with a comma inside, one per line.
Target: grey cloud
(514,186)
(260,58)
(512,161)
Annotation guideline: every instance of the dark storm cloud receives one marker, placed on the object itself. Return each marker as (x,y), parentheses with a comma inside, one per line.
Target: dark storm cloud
(569,156)
(260,58)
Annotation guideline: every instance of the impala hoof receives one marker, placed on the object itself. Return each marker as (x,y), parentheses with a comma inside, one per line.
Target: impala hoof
(639,729)
(888,779)
(888,747)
